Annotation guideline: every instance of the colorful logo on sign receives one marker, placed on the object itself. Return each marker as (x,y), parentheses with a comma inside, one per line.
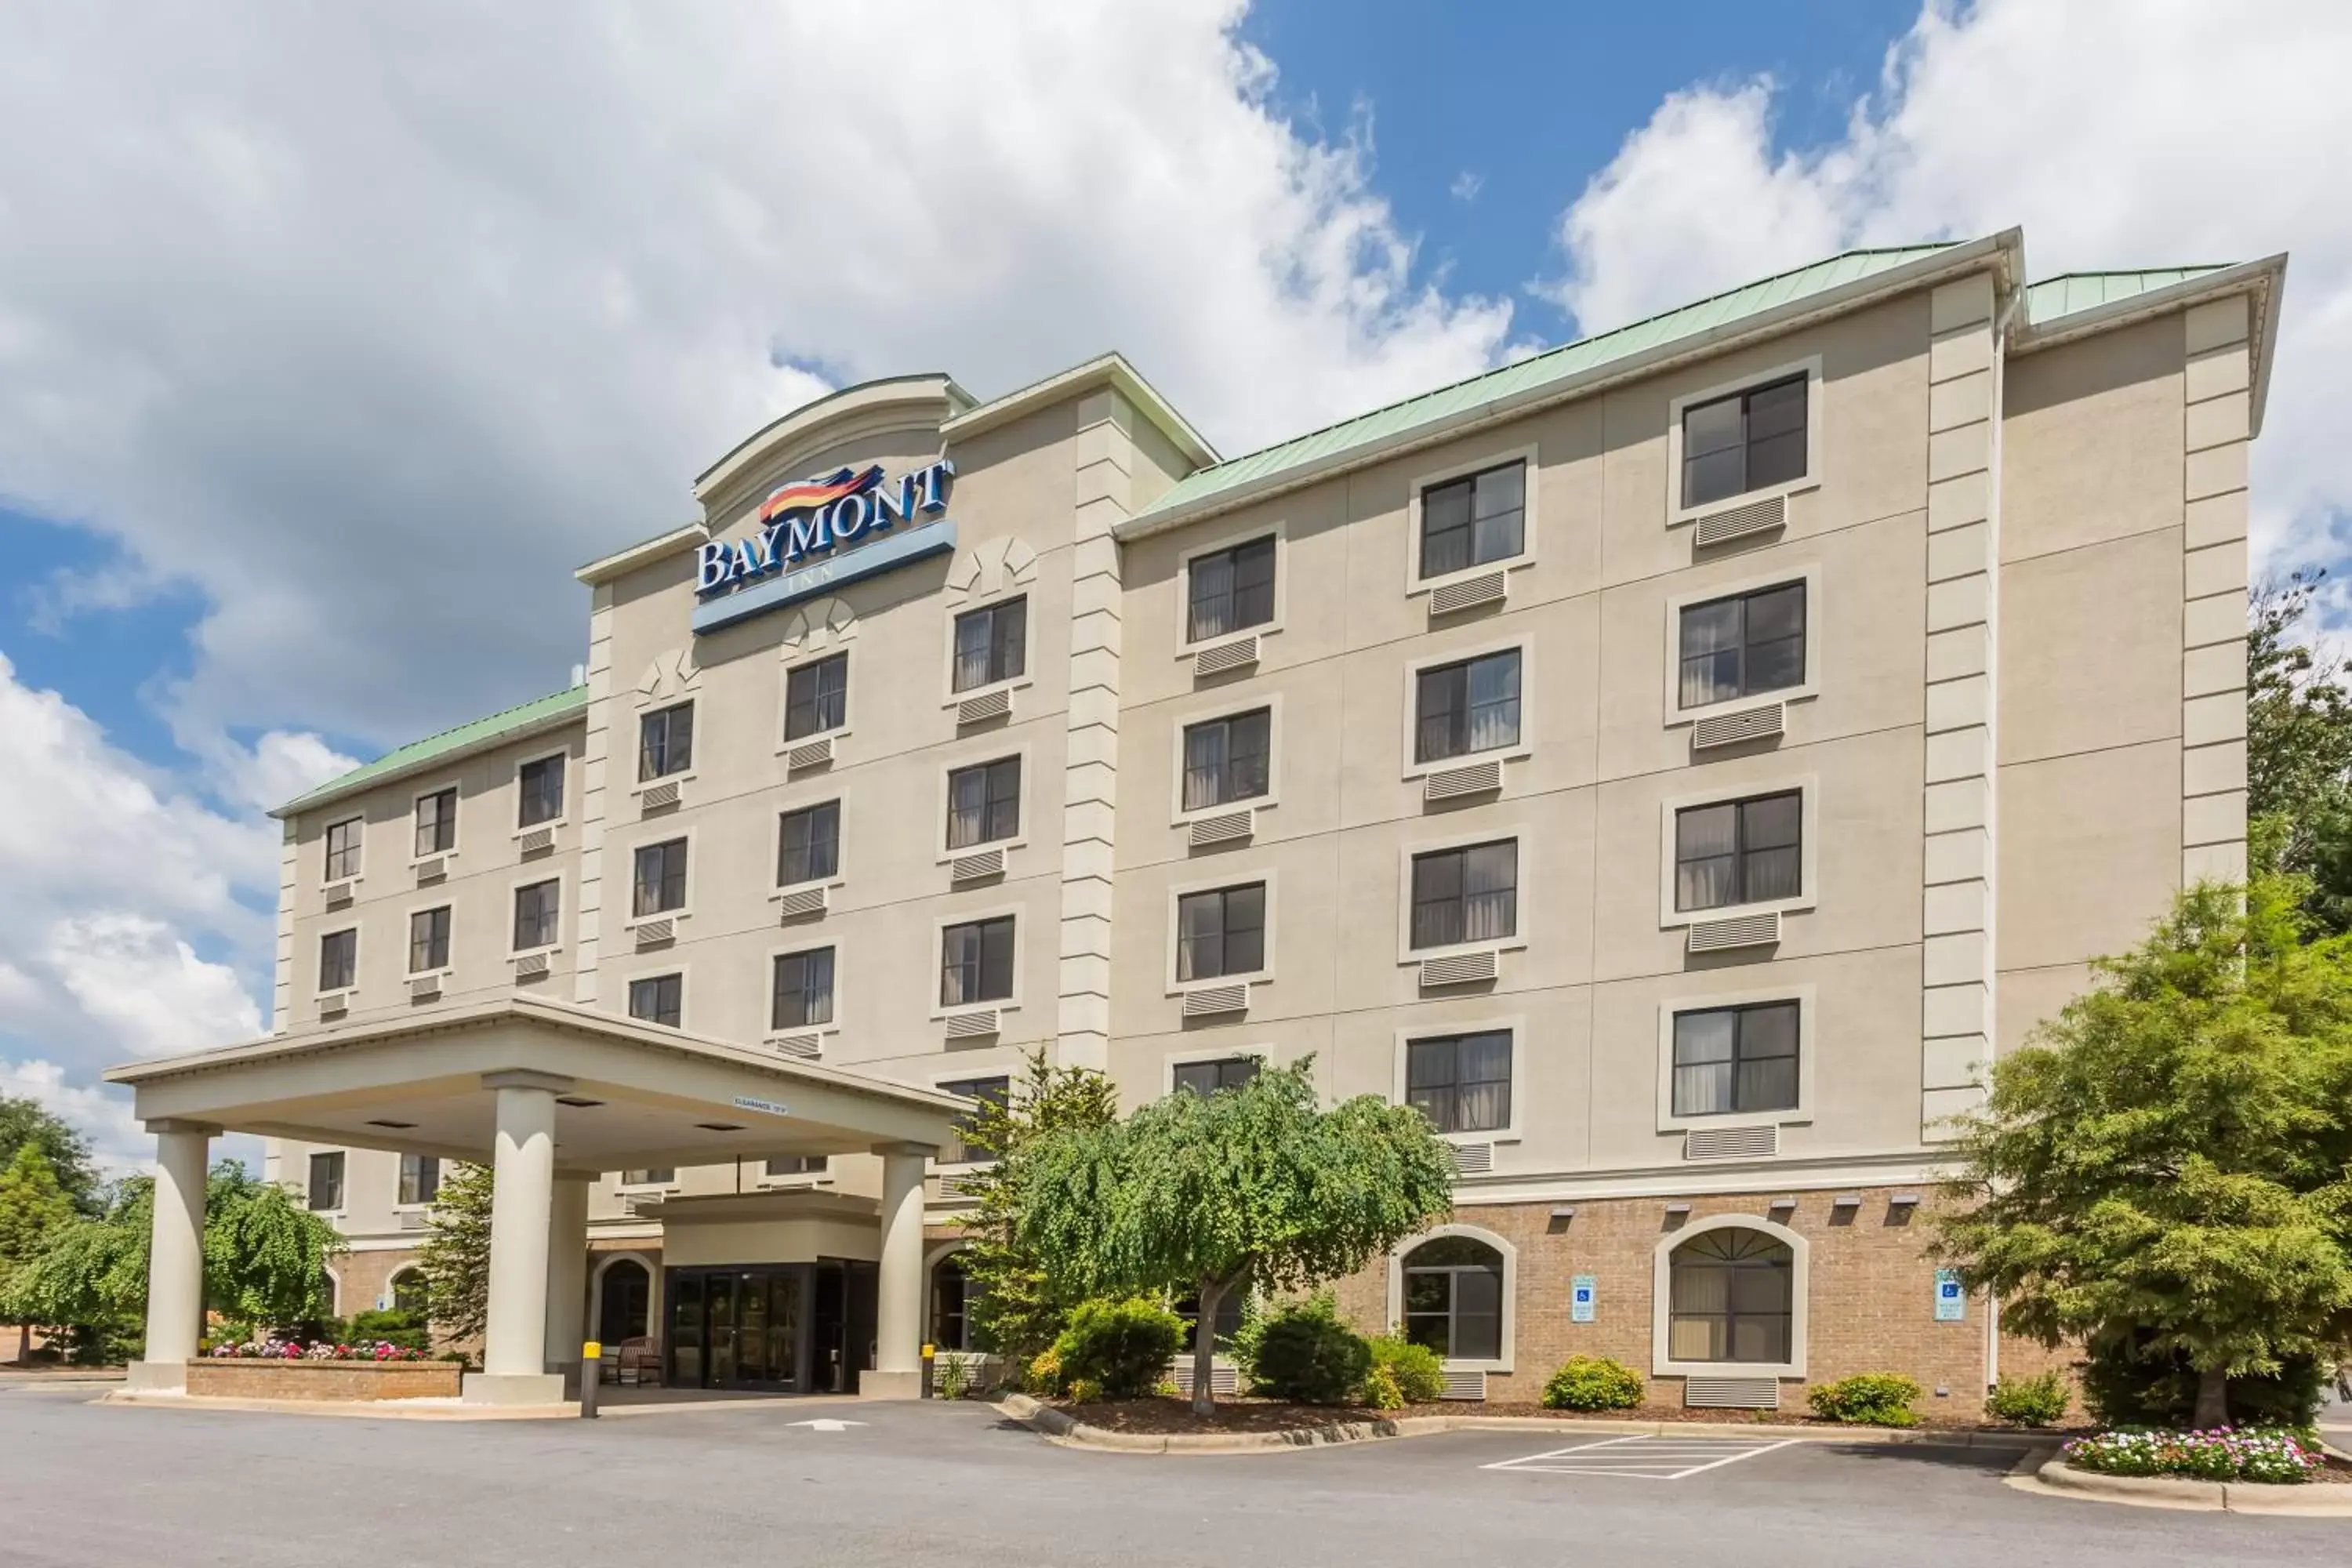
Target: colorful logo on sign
(810,517)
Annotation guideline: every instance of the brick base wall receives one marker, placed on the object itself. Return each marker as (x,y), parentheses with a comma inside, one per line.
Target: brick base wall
(229,1379)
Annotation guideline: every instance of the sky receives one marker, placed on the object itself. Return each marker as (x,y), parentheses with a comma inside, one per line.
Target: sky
(331,338)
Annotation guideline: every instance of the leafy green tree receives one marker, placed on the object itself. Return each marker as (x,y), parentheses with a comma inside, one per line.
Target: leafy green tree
(2299,747)
(1015,1307)
(456,1253)
(33,1208)
(1205,1195)
(2165,1171)
(23,1120)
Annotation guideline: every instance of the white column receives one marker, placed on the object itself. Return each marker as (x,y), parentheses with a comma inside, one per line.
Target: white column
(898,1308)
(567,1272)
(514,1360)
(175,1256)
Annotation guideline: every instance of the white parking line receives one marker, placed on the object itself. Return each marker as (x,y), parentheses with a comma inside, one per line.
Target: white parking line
(1647,1457)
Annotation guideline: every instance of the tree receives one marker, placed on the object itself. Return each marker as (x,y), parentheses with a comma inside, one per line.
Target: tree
(1013,1305)
(2165,1171)
(456,1253)
(2299,747)
(25,1121)
(33,1207)
(1209,1193)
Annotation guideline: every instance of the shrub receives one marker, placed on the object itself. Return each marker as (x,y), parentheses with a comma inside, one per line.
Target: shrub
(1867,1399)
(406,1329)
(1414,1370)
(2030,1401)
(1085,1390)
(1593,1382)
(2222,1453)
(1043,1373)
(950,1377)
(1123,1347)
(1307,1355)
(1381,1390)
(2124,1385)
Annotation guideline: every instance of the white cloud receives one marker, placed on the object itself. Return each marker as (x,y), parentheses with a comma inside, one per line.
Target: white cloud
(1466,185)
(2123,133)
(101,1115)
(146,988)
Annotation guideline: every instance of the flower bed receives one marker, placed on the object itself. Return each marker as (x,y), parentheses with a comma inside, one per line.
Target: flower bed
(316,1350)
(407,1376)
(2219,1454)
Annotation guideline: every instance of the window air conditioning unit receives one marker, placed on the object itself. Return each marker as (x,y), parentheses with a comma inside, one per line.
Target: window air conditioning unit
(339,893)
(1469,593)
(973,867)
(972,1026)
(1741,931)
(957,1189)
(1731,1392)
(1458,969)
(658,797)
(1225,657)
(650,932)
(424,987)
(416,1219)
(434,870)
(810,753)
(1473,1158)
(1464,1386)
(804,1042)
(1225,827)
(1731,729)
(989,705)
(1472,778)
(334,1003)
(800,904)
(1209,1000)
(1741,521)
(1731,1142)
(538,841)
(530,965)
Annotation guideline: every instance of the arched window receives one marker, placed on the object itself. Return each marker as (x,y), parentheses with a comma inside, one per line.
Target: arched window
(1731,1294)
(624,1298)
(411,1292)
(1453,1298)
(952,1296)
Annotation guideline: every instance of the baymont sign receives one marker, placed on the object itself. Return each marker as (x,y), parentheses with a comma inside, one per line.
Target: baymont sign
(816,533)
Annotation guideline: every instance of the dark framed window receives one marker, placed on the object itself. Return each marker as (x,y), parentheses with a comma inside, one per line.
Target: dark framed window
(344,849)
(1470,521)
(436,822)
(1221,932)
(539,911)
(665,742)
(985,803)
(1743,646)
(799,1165)
(1470,894)
(339,960)
(952,1295)
(540,784)
(649,1176)
(1471,706)
(411,1292)
(1231,590)
(991,643)
(1207,1078)
(659,883)
(1730,1295)
(808,844)
(976,962)
(420,1178)
(1224,1327)
(816,698)
(804,990)
(1744,442)
(658,999)
(1730,1059)
(1460,1082)
(428,940)
(1739,851)
(995,1091)
(326,1188)
(1225,760)
(1453,1298)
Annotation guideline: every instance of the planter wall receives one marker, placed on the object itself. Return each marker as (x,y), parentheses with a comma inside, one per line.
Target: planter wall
(227,1378)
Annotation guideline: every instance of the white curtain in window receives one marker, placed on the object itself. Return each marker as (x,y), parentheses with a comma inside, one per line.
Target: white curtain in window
(1490,892)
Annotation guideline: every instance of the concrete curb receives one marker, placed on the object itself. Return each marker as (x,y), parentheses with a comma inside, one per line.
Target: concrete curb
(362,1409)
(2308,1502)
(1063,1427)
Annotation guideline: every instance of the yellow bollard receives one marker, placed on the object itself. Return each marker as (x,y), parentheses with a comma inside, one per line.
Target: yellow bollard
(591,1370)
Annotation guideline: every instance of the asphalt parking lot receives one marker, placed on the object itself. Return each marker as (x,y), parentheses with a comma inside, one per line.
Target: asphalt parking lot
(82,1484)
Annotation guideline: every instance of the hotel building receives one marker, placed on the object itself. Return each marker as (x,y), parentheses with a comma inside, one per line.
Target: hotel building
(1678,763)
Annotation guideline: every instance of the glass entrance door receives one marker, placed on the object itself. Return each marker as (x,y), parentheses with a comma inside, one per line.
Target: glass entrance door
(738,1328)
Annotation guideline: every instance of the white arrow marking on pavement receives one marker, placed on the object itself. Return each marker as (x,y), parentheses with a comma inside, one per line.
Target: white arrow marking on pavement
(827,1423)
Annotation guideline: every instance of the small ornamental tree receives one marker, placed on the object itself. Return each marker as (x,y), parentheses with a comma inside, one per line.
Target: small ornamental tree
(33,1209)
(456,1253)
(24,1119)
(2165,1171)
(1204,1194)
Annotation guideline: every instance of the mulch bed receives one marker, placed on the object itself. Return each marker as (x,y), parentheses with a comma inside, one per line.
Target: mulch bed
(1175,1417)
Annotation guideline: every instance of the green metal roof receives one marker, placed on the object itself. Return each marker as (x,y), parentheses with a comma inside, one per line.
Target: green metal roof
(536,714)
(1531,374)
(2072,292)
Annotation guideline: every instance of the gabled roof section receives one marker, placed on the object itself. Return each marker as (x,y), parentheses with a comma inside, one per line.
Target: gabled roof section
(1110,370)
(550,712)
(2077,304)
(2072,292)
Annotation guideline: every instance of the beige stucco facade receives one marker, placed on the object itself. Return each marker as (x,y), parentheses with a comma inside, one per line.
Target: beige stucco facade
(2019,522)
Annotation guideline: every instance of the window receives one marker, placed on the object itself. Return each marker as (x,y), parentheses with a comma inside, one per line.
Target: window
(1224,1327)
(1743,646)
(428,940)
(1738,851)
(1460,1082)
(657,999)
(951,1294)
(809,844)
(1231,590)
(649,1176)
(816,698)
(665,742)
(976,962)
(344,849)
(339,960)
(1473,706)
(539,908)
(1225,759)
(420,1178)
(1221,932)
(326,1191)
(660,881)
(985,803)
(1207,1078)
(994,1091)
(799,1165)
(540,784)
(990,643)
(1744,442)
(1453,1299)
(1731,1292)
(411,1293)
(1470,894)
(1470,521)
(1731,1059)
(436,822)
(804,996)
